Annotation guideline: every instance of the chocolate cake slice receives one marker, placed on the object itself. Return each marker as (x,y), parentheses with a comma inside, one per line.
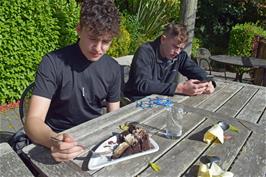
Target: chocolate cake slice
(132,141)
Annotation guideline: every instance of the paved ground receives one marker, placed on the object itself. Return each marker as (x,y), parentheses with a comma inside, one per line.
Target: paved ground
(10,121)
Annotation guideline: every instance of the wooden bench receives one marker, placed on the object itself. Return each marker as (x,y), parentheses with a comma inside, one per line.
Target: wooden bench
(125,60)
(11,165)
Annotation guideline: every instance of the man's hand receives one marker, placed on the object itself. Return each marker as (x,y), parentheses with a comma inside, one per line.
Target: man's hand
(210,88)
(194,87)
(65,148)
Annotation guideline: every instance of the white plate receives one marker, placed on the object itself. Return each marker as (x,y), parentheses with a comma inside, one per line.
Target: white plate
(99,161)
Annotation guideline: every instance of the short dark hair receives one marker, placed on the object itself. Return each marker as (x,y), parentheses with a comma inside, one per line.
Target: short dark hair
(100,17)
(176,30)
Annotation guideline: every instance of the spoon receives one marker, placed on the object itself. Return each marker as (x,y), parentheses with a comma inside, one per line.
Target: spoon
(223,125)
(212,159)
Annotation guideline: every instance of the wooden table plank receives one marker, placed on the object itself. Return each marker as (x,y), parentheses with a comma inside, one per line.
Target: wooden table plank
(229,150)
(196,148)
(109,122)
(262,120)
(255,107)
(241,99)
(221,98)
(230,99)
(253,153)
(142,162)
(177,161)
(40,156)
(11,165)
(251,157)
(196,100)
(134,166)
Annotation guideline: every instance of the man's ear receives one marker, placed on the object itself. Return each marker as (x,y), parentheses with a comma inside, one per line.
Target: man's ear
(163,37)
(78,29)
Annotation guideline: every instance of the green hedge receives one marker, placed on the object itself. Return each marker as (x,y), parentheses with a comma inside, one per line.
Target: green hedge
(241,39)
(28,30)
(196,44)
(120,45)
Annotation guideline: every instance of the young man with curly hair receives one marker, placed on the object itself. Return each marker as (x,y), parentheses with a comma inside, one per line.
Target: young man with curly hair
(72,82)
(155,66)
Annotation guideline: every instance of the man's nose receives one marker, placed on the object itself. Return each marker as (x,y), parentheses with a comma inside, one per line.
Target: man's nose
(98,46)
(177,51)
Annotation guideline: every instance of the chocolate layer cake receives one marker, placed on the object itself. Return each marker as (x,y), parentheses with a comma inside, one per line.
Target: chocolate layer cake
(132,141)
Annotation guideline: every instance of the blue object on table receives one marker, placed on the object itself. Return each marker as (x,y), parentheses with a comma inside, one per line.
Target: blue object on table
(150,103)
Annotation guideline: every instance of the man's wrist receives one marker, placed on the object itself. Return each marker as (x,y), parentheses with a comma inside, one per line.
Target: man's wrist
(179,88)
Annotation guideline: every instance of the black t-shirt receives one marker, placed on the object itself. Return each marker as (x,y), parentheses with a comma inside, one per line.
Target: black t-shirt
(150,73)
(76,86)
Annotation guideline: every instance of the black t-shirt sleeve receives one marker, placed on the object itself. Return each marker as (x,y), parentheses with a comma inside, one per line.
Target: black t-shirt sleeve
(45,82)
(115,88)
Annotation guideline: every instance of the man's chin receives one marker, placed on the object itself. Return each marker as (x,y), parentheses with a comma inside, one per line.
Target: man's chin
(170,58)
(95,58)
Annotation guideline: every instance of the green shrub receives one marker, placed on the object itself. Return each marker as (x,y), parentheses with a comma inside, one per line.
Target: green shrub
(241,38)
(241,41)
(152,15)
(120,45)
(28,30)
(134,28)
(196,44)
(67,15)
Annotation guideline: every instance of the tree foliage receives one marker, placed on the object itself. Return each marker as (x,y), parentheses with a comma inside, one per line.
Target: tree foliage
(215,19)
(28,30)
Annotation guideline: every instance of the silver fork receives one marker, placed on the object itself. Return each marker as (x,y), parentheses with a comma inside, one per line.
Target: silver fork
(90,149)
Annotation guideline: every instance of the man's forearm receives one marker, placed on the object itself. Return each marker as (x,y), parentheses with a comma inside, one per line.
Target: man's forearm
(39,132)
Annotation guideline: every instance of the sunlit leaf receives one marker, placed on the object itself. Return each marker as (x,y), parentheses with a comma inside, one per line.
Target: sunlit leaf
(155,166)
(233,128)
(123,127)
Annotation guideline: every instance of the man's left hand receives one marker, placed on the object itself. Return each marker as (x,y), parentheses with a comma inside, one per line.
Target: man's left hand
(210,88)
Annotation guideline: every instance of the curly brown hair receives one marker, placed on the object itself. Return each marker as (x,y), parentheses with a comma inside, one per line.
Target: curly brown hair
(176,30)
(100,17)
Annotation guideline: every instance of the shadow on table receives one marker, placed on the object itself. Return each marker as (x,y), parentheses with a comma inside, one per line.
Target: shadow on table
(5,136)
(42,155)
(193,171)
(199,135)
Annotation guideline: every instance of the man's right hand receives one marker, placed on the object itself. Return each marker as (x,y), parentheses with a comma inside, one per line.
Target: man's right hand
(191,87)
(65,148)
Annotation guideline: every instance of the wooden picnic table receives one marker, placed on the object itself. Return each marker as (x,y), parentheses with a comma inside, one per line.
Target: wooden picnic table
(236,103)
(11,165)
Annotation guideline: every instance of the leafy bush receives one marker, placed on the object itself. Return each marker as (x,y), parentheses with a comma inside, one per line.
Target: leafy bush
(134,28)
(120,45)
(28,30)
(152,15)
(196,44)
(215,19)
(241,38)
(67,15)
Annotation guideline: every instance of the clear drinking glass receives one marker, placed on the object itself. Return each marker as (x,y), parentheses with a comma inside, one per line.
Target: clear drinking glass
(173,128)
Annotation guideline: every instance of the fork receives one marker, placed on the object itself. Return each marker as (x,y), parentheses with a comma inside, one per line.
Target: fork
(93,152)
